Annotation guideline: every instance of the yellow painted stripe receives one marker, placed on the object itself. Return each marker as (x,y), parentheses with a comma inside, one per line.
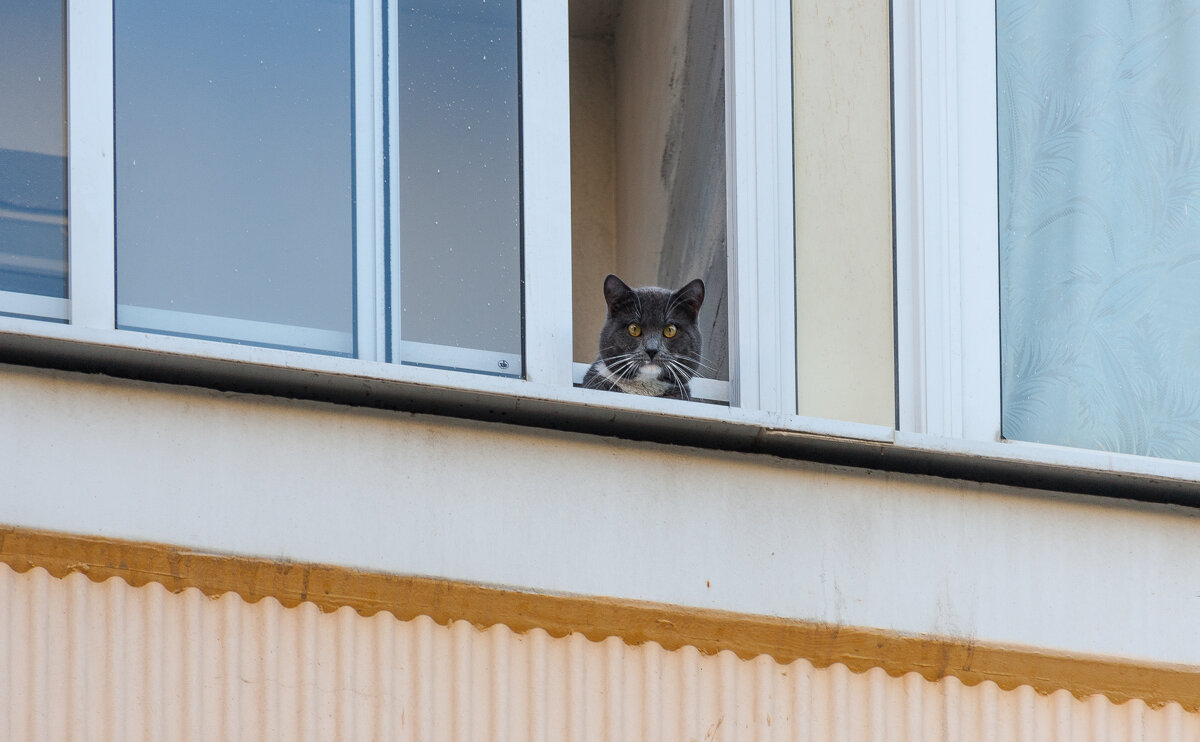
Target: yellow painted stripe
(635,622)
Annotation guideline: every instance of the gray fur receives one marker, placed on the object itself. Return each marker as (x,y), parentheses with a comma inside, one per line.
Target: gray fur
(627,363)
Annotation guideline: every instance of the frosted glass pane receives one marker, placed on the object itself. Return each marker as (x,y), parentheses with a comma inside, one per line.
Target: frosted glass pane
(234,170)
(1099,133)
(458,157)
(33,148)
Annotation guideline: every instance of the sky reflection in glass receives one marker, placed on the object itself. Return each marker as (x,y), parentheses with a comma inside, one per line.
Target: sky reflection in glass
(33,143)
(234,165)
(458,154)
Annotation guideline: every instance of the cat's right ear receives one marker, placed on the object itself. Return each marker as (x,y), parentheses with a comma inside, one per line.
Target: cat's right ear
(616,292)
(689,298)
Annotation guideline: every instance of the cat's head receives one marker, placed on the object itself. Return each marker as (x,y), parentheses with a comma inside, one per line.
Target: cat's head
(651,333)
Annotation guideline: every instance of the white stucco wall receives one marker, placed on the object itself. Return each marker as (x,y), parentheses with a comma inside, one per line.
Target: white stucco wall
(554,512)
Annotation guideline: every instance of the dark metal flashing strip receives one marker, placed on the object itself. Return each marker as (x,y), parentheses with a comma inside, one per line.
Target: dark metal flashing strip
(578,417)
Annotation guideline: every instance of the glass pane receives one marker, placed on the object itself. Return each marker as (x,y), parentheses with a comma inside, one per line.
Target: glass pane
(1099,127)
(33,162)
(458,159)
(234,170)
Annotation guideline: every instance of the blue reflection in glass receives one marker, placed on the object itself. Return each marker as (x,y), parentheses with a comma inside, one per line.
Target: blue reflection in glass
(234,170)
(458,156)
(33,163)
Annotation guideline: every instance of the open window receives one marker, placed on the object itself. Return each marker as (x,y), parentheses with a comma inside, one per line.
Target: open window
(390,184)
(648,161)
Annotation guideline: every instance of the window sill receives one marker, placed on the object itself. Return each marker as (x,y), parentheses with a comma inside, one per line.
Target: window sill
(254,370)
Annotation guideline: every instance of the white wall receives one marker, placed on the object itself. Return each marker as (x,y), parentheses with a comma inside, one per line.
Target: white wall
(546,511)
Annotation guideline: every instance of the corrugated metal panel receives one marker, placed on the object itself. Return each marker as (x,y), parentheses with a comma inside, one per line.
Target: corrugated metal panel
(87,661)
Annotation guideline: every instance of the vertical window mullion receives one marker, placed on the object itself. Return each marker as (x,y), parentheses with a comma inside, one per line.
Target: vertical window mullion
(979,221)
(391,196)
(761,229)
(946,240)
(910,410)
(546,188)
(370,269)
(91,197)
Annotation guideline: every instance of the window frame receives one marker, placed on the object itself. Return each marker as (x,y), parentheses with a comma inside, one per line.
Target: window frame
(759,136)
(947,238)
(761,218)
(947,246)
(91,236)
(91,201)
(942,63)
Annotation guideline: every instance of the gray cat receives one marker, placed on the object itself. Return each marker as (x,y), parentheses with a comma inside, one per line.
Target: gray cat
(650,343)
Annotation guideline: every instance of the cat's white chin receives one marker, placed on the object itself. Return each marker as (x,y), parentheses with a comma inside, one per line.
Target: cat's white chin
(649,372)
(645,382)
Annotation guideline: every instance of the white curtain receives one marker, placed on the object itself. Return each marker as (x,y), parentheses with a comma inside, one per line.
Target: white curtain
(1099,154)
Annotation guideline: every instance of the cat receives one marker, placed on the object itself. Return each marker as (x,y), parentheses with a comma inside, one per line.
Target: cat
(650,343)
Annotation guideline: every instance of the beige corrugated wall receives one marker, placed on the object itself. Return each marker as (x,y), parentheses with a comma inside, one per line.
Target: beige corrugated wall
(106,661)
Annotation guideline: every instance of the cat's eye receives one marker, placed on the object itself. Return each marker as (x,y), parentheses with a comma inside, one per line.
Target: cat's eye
(635,329)
(669,331)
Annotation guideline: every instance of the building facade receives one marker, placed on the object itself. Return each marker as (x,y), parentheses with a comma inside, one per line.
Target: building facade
(281,462)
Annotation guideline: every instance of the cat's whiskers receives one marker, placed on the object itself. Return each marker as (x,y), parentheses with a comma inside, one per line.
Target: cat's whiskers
(684,391)
(618,357)
(696,356)
(684,370)
(616,366)
(701,363)
(681,369)
(598,382)
(621,364)
(671,372)
(622,372)
(622,358)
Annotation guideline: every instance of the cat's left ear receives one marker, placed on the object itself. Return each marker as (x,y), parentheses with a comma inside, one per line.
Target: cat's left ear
(617,293)
(689,298)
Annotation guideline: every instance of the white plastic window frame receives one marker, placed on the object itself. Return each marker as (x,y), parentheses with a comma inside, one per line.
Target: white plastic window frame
(946,240)
(947,245)
(947,249)
(92,227)
(761,264)
(760,212)
(91,265)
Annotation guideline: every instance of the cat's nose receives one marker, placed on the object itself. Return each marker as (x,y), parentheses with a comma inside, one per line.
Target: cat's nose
(651,352)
